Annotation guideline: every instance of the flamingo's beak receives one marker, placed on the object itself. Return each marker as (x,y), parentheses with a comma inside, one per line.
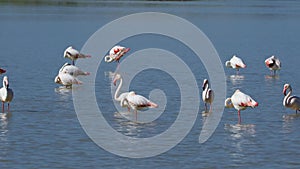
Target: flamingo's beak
(284,91)
(115,82)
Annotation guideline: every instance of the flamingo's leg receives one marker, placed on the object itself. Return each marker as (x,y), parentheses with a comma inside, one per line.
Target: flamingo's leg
(239,115)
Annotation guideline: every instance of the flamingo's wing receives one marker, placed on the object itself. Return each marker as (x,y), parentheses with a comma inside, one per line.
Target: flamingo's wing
(237,62)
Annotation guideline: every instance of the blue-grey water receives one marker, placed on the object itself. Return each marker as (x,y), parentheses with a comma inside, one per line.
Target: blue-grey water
(42,129)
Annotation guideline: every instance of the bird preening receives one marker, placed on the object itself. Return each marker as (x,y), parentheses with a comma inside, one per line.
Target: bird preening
(274,64)
(235,63)
(116,53)
(240,101)
(74,54)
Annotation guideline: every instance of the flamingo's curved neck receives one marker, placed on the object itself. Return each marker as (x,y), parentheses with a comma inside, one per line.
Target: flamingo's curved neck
(287,96)
(117,91)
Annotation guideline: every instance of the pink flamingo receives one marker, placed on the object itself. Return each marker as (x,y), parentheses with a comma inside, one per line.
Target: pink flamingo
(292,102)
(273,64)
(74,54)
(6,93)
(207,95)
(235,63)
(138,102)
(240,101)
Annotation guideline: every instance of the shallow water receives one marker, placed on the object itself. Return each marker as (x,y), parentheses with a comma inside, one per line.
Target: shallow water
(42,130)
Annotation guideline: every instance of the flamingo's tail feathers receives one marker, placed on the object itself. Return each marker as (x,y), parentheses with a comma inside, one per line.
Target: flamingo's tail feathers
(152,105)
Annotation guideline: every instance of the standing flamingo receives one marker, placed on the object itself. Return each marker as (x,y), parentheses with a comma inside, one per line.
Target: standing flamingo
(138,102)
(72,70)
(6,93)
(207,95)
(74,54)
(273,63)
(240,101)
(2,71)
(235,63)
(122,96)
(292,102)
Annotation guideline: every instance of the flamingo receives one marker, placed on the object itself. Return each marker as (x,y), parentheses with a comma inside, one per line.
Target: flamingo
(273,63)
(122,96)
(72,70)
(116,53)
(240,101)
(74,54)
(207,95)
(66,79)
(292,102)
(138,102)
(2,71)
(6,93)
(235,63)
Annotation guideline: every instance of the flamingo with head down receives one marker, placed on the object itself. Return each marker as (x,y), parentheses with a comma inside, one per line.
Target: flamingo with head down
(240,101)
(273,63)
(207,95)
(235,63)
(6,93)
(292,102)
(138,102)
(74,54)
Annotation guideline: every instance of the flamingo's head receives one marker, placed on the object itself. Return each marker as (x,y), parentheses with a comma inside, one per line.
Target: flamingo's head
(116,78)
(285,88)
(228,64)
(5,82)
(108,58)
(205,83)
(57,80)
(66,52)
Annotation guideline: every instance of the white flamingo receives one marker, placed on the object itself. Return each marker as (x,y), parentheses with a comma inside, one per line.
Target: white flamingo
(2,71)
(138,102)
(122,96)
(207,95)
(74,54)
(240,101)
(235,63)
(116,53)
(292,102)
(6,93)
(66,80)
(72,70)
(273,63)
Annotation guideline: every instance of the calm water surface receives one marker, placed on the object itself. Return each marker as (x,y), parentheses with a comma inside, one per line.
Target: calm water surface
(42,130)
